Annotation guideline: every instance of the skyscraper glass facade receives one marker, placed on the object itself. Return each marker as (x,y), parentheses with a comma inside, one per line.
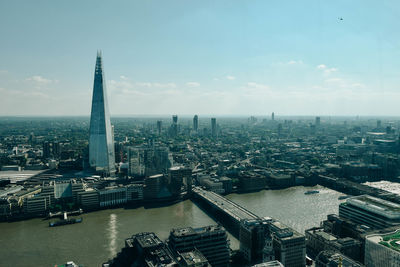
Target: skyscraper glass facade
(101,141)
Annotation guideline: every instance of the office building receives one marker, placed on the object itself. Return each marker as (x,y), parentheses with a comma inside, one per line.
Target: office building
(144,250)
(335,259)
(48,191)
(119,152)
(289,245)
(175,179)
(227,184)
(134,192)
(159,125)
(152,251)
(252,235)
(370,211)
(36,205)
(67,190)
(149,160)
(101,142)
(269,264)
(382,249)
(112,196)
(46,149)
(273,116)
(174,127)
(193,259)
(214,127)
(89,199)
(155,187)
(195,123)
(180,176)
(268,250)
(378,124)
(211,241)
(56,149)
(317,121)
(317,240)
(213,185)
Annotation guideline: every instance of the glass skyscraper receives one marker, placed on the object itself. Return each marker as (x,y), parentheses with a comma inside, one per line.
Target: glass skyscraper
(101,139)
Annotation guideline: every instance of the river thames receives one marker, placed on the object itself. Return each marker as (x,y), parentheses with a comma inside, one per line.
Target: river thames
(101,235)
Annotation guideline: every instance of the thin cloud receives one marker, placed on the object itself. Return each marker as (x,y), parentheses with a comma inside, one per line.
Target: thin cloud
(192,84)
(334,80)
(164,85)
(230,77)
(144,84)
(40,80)
(330,70)
(156,85)
(326,70)
(257,85)
(294,62)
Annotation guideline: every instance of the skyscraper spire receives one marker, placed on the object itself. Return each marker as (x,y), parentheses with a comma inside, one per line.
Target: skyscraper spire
(101,142)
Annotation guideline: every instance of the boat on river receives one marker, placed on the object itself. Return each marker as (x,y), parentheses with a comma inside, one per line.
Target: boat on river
(309,192)
(65,221)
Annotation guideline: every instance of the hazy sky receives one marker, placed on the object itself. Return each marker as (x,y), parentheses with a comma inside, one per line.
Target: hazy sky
(202,57)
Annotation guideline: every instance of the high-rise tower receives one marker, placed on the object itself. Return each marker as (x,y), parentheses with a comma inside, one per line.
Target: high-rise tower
(214,127)
(101,141)
(159,125)
(195,123)
(174,126)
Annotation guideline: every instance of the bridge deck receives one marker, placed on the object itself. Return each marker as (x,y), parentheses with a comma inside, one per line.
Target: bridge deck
(224,204)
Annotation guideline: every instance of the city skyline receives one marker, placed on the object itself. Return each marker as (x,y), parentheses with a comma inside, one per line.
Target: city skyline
(207,59)
(227,133)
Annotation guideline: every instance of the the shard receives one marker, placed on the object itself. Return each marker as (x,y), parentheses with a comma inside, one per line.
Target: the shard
(101,139)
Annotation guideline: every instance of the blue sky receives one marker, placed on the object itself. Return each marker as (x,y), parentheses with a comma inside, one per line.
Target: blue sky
(202,57)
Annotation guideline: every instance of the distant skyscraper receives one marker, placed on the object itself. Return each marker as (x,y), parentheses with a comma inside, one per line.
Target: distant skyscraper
(273,116)
(101,142)
(195,123)
(159,124)
(214,127)
(46,149)
(56,149)
(317,121)
(174,126)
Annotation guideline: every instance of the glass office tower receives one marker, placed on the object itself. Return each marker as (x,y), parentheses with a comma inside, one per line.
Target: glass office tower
(101,139)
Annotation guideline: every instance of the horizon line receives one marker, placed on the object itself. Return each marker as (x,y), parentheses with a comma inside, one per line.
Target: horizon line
(204,115)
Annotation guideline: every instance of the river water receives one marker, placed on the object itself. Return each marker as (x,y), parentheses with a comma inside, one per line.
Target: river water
(101,234)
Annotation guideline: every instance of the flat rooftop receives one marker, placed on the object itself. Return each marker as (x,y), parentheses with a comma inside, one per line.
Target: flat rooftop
(284,232)
(389,240)
(156,176)
(17,176)
(10,190)
(379,206)
(326,236)
(192,258)
(186,231)
(147,240)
